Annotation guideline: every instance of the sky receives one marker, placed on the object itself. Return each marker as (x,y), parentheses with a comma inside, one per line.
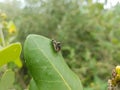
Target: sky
(110,3)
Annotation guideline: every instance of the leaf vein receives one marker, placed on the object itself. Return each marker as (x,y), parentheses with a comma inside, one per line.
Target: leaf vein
(54,67)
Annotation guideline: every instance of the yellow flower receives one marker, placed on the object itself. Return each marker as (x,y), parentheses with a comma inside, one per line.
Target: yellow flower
(11,31)
(117,69)
(11,27)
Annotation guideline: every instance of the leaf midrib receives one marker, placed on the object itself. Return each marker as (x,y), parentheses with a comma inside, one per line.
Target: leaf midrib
(53,66)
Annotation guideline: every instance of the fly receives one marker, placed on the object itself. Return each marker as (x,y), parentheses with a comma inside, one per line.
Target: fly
(56,45)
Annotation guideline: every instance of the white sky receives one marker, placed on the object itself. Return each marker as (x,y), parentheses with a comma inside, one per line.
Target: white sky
(110,3)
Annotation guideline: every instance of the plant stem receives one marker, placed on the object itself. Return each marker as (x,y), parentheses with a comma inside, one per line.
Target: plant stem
(2,36)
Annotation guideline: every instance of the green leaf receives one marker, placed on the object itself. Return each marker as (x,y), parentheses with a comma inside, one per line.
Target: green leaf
(47,67)
(7,80)
(33,85)
(11,53)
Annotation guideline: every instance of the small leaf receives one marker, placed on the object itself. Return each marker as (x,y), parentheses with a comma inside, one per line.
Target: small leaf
(7,80)
(11,53)
(47,67)
(33,85)
(18,62)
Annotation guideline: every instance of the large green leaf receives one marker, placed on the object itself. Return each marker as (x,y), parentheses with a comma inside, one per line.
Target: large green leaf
(11,53)
(47,67)
(7,80)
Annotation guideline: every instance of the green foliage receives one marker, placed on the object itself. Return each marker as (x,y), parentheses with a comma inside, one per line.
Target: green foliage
(47,67)
(10,57)
(32,85)
(7,80)
(11,54)
(90,34)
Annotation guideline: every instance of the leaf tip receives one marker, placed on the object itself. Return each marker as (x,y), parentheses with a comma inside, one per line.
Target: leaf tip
(34,35)
(30,36)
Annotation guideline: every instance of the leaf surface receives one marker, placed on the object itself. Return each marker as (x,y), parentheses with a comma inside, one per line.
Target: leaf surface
(32,85)
(47,67)
(11,53)
(7,80)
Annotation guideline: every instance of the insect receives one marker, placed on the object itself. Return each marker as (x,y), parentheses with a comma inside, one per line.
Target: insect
(56,45)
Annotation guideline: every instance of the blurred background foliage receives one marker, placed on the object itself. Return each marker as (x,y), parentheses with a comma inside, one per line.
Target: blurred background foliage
(89,33)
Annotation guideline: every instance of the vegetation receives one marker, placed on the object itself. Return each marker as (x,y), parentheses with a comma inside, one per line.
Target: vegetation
(89,34)
(47,66)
